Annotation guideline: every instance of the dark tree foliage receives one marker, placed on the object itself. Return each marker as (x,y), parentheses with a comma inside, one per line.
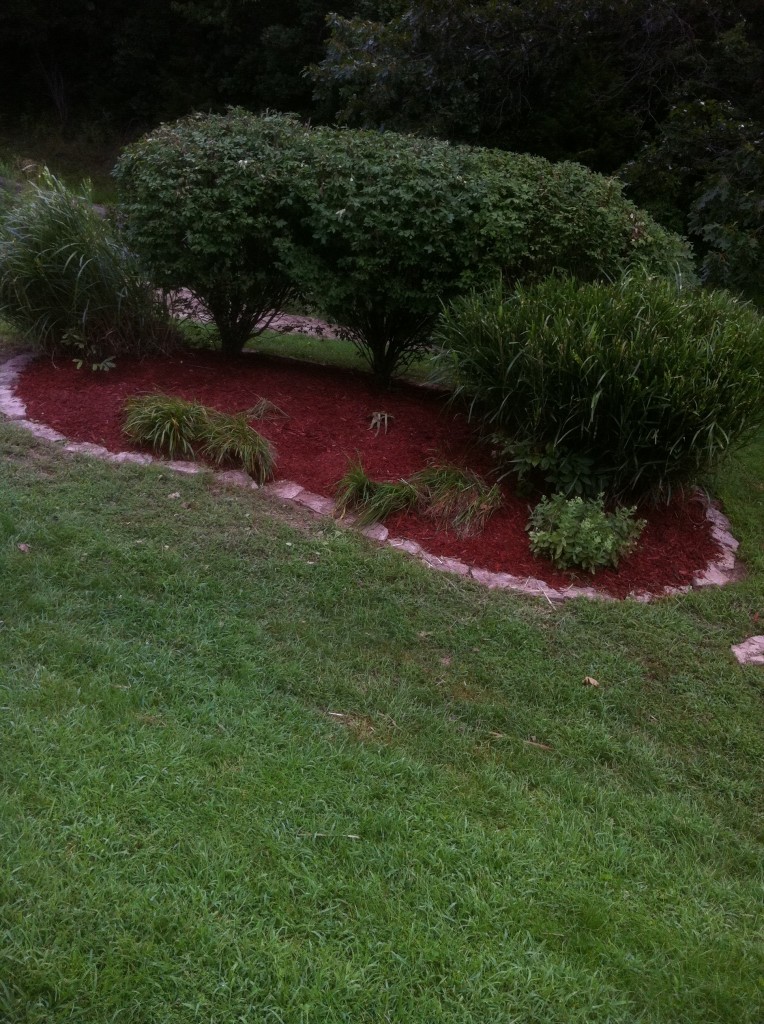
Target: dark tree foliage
(557,77)
(702,172)
(670,93)
(133,62)
(667,93)
(80,59)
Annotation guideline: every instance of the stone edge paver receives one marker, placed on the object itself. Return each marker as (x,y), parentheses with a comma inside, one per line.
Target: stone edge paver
(750,651)
(719,572)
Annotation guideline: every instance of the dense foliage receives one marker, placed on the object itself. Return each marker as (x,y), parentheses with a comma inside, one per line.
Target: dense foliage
(648,382)
(373,228)
(566,80)
(618,86)
(387,226)
(593,82)
(578,532)
(136,61)
(69,284)
(704,173)
(203,203)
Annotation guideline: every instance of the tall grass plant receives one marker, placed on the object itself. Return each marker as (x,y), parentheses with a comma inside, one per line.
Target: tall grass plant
(651,382)
(68,284)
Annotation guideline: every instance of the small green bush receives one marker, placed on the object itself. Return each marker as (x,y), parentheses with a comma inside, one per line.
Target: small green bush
(578,532)
(650,383)
(69,285)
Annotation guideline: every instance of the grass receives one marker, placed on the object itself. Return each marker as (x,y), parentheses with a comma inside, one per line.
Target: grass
(176,427)
(230,441)
(459,499)
(324,351)
(258,769)
(331,352)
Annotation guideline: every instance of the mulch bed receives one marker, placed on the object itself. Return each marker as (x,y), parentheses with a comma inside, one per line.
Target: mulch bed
(329,412)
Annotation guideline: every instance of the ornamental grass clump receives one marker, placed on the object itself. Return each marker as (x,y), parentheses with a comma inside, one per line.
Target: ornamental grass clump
(579,533)
(372,501)
(169,425)
(69,285)
(643,383)
(230,441)
(458,499)
(456,496)
(264,409)
(179,428)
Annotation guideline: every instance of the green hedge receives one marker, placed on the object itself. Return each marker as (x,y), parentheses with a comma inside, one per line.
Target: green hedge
(639,384)
(398,224)
(375,229)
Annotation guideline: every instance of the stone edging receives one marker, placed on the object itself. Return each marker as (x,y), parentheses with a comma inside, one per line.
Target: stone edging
(719,572)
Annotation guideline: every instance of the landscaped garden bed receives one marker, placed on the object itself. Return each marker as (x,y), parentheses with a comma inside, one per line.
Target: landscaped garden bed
(327,425)
(258,769)
(595,380)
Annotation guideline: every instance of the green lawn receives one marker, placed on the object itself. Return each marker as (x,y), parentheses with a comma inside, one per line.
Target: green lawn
(328,351)
(256,769)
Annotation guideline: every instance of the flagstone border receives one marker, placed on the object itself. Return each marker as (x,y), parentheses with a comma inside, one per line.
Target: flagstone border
(722,570)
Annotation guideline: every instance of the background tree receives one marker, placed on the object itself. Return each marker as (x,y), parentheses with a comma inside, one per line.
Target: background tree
(130,64)
(669,93)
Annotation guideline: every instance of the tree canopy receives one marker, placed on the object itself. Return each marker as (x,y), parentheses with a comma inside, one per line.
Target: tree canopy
(668,94)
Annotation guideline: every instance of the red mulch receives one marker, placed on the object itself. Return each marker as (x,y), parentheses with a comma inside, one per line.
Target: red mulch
(329,412)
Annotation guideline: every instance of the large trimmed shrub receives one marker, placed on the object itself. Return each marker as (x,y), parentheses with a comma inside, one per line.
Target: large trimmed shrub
(386,222)
(648,382)
(392,225)
(69,284)
(375,229)
(204,203)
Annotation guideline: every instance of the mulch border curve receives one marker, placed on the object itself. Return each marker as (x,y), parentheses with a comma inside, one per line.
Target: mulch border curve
(724,569)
